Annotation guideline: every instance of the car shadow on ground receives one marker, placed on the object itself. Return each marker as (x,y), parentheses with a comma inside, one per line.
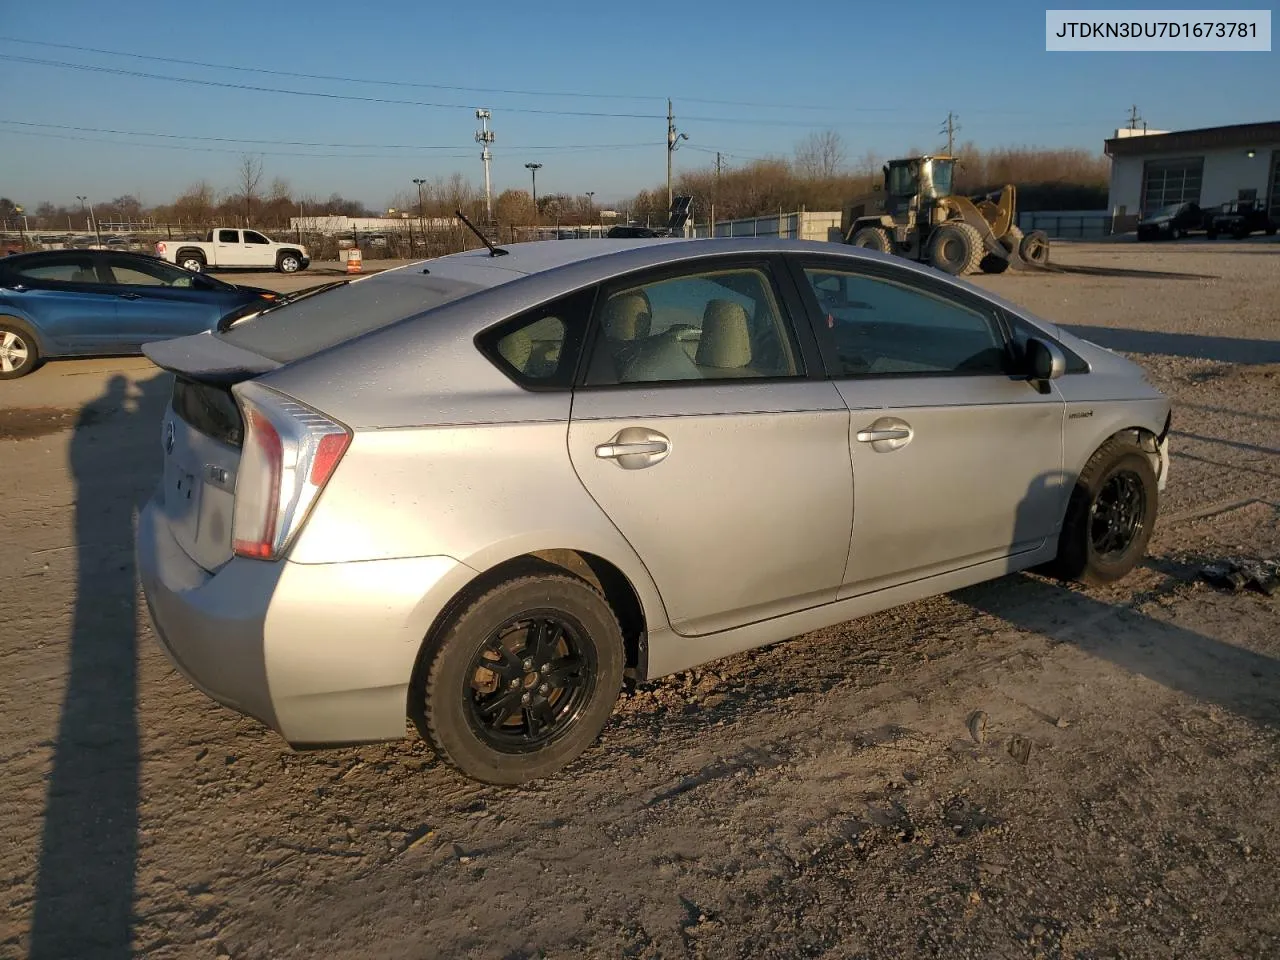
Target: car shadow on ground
(1190,345)
(88,852)
(1234,678)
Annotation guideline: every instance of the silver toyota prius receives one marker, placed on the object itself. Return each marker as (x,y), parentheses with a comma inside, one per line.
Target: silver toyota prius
(480,491)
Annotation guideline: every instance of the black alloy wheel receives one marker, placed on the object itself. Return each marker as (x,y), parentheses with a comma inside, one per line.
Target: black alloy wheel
(529,681)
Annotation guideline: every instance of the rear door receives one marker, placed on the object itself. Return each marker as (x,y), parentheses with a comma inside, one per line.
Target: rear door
(228,248)
(65,298)
(956,460)
(157,300)
(704,431)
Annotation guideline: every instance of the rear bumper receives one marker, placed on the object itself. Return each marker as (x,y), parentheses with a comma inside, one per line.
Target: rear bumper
(321,653)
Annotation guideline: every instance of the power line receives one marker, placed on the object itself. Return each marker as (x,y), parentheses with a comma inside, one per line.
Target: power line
(226,85)
(355,98)
(311,143)
(409,83)
(265,153)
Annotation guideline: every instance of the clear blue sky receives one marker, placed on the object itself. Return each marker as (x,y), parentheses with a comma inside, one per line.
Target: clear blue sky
(883,74)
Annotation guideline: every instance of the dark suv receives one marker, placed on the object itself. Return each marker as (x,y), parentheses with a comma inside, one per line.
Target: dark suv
(1241,218)
(1172,222)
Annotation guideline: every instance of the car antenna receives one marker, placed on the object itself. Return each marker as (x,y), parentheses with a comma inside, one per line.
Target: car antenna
(493,251)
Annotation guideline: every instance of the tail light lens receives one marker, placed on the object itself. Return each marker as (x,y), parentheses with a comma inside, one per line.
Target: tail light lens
(161,248)
(290,451)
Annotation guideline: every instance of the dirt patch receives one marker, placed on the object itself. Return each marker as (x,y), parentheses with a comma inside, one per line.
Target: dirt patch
(31,422)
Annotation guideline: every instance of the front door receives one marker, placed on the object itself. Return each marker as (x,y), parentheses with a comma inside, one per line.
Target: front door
(258,250)
(701,437)
(158,301)
(955,461)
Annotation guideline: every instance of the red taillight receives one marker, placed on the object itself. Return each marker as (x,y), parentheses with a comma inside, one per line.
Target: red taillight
(290,451)
(160,248)
(328,453)
(258,497)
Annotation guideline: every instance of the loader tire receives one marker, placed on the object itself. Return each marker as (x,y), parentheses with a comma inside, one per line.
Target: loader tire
(873,238)
(1012,241)
(956,248)
(1035,248)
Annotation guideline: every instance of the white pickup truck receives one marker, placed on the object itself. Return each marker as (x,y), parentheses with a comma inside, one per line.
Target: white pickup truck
(224,248)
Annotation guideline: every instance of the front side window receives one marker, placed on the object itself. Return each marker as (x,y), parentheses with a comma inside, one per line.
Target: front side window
(67,268)
(137,274)
(712,325)
(878,326)
(251,237)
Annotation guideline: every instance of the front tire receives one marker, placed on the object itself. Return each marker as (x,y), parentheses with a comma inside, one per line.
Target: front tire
(1110,516)
(289,263)
(956,248)
(19,355)
(523,679)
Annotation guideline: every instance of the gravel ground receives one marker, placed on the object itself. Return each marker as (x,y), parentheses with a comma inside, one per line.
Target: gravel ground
(1018,769)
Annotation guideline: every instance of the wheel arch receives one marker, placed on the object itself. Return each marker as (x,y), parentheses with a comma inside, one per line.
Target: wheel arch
(30,329)
(285,251)
(186,251)
(618,589)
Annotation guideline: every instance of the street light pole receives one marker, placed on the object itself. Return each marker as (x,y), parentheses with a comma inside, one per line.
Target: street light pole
(533,169)
(592,204)
(82,200)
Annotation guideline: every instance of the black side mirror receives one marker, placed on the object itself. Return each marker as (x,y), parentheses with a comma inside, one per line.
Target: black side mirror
(1044,360)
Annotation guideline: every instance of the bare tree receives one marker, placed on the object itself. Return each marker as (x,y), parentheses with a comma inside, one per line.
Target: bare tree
(820,156)
(250,178)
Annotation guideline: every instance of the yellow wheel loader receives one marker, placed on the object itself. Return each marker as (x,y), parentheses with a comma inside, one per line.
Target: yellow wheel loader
(915,215)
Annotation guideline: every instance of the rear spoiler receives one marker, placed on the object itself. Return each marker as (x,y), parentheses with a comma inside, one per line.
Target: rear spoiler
(208,359)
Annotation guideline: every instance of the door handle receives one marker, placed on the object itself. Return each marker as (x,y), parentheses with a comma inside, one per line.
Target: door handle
(611,451)
(892,433)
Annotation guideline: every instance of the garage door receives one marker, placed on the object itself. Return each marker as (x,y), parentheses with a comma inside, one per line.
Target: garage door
(1171,181)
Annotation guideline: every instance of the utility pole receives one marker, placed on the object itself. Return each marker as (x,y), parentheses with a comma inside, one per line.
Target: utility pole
(533,169)
(673,138)
(715,196)
(950,128)
(484,136)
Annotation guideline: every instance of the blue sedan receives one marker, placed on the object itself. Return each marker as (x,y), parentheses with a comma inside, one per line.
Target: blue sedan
(67,303)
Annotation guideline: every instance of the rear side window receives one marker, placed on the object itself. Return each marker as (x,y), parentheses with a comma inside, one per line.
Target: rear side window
(540,347)
(228,236)
(65,268)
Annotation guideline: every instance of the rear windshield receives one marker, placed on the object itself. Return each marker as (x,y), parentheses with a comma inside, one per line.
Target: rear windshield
(292,331)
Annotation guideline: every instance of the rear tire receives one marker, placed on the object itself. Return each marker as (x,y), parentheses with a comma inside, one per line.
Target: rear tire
(1117,484)
(191,261)
(955,248)
(873,238)
(19,355)
(541,703)
(1034,248)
